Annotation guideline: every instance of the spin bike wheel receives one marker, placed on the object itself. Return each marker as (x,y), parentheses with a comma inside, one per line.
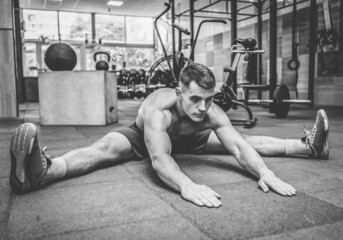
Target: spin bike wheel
(160,76)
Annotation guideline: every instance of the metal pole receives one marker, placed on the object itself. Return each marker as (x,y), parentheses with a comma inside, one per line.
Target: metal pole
(21,94)
(58,26)
(172,11)
(172,4)
(259,42)
(273,50)
(312,49)
(233,38)
(93,28)
(191,26)
(341,38)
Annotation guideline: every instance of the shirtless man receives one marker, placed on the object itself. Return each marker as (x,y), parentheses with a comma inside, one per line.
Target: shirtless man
(181,120)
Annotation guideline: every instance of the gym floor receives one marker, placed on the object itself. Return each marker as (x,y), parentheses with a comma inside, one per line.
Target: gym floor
(128,201)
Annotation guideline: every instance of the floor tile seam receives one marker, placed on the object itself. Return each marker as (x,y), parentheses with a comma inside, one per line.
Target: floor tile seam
(79,132)
(326,190)
(288,234)
(101,227)
(311,194)
(197,226)
(327,203)
(9,210)
(73,185)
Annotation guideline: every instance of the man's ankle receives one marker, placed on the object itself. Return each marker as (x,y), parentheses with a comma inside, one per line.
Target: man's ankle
(295,147)
(56,170)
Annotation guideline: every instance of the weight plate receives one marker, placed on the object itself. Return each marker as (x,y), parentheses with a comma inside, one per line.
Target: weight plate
(293,64)
(223,100)
(281,108)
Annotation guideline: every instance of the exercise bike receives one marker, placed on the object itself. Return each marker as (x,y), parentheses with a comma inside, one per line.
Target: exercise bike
(165,71)
(227,98)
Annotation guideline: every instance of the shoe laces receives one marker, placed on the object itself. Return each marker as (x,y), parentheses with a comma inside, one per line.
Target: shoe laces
(309,135)
(46,159)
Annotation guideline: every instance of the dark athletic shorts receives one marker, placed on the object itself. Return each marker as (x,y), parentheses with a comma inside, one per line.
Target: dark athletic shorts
(192,145)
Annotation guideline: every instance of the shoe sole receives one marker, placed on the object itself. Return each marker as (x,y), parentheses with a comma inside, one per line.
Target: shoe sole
(20,147)
(325,152)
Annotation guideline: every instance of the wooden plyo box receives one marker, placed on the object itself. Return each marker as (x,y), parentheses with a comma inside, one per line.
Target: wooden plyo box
(78,98)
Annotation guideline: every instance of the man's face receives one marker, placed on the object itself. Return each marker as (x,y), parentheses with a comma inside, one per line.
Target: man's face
(195,101)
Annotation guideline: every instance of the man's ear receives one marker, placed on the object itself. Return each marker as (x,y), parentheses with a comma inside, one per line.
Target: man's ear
(178,93)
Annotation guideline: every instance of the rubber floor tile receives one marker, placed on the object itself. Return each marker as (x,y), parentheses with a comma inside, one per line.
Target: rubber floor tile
(247,212)
(168,228)
(200,169)
(325,232)
(76,208)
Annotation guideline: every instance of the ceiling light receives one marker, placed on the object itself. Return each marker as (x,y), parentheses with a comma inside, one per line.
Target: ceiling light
(115,3)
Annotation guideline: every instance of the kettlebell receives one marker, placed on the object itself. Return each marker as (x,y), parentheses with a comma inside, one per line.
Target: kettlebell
(102,61)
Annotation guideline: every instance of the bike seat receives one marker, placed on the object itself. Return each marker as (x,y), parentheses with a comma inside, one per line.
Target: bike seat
(247,43)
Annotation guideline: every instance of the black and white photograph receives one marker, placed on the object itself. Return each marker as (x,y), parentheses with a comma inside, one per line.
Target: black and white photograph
(171,119)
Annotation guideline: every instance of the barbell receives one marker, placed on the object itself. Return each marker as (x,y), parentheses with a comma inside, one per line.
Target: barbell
(281,101)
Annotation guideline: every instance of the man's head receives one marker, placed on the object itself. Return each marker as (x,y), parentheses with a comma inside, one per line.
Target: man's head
(198,73)
(196,90)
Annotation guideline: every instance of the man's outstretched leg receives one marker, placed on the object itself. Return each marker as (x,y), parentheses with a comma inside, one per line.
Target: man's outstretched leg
(31,167)
(313,144)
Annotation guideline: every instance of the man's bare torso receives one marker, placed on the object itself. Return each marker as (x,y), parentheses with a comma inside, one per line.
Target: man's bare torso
(165,100)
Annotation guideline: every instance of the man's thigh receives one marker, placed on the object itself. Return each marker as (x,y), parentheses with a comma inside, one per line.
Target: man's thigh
(114,147)
(214,146)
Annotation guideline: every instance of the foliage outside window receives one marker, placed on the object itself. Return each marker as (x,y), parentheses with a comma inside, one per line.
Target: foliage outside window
(110,28)
(139,30)
(40,24)
(140,58)
(75,26)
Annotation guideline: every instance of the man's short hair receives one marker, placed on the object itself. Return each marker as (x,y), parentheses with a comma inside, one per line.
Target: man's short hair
(199,73)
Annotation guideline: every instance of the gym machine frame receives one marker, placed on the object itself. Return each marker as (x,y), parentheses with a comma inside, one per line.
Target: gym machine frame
(178,59)
(227,98)
(234,12)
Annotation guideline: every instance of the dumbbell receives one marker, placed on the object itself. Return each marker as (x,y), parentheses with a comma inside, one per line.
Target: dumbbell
(140,91)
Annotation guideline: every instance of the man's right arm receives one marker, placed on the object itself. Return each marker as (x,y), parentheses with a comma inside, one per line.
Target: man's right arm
(159,147)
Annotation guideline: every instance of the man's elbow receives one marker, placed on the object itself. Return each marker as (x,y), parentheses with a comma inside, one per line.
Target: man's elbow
(156,160)
(237,153)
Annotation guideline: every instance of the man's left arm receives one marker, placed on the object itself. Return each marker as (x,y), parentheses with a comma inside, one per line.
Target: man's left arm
(248,157)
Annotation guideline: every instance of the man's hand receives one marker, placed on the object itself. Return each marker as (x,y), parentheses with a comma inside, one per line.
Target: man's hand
(269,180)
(201,195)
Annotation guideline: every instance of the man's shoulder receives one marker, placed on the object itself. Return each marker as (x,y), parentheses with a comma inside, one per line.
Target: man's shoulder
(155,112)
(216,115)
(160,100)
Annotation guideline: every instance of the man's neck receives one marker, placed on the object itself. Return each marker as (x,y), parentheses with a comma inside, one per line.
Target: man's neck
(180,113)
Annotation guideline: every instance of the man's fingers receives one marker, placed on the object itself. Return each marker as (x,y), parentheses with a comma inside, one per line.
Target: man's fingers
(197,201)
(202,195)
(205,201)
(212,198)
(216,194)
(263,186)
(291,190)
(283,188)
